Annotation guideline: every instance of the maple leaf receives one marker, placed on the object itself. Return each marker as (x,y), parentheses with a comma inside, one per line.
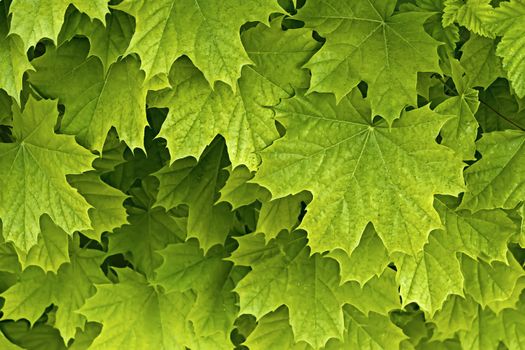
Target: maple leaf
(13,60)
(239,192)
(434,25)
(68,289)
(10,259)
(508,21)
(198,113)
(39,337)
(369,258)
(33,173)
(513,322)
(140,316)
(431,276)
(457,314)
(107,212)
(94,101)
(473,14)
(280,214)
(488,283)
(185,267)
(132,301)
(460,132)
(149,230)
(483,234)
(220,132)
(488,180)
(108,42)
(499,100)
(366,41)
(264,290)
(379,295)
(52,249)
(197,185)
(485,331)
(35,20)
(482,66)
(379,174)
(367,332)
(6,344)
(5,108)
(205,31)
(273,331)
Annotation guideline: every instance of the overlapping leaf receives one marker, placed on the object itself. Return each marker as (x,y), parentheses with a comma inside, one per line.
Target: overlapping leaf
(198,113)
(379,174)
(94,100)
(205,31)
(366,41)
(39,19)
(33,173)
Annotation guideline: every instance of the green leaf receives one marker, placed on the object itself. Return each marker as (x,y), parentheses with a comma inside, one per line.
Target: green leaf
(9,260)
(51,250)
(480,62)
(472,14)
(488,283)
(366,41)
(242,118)
(512,301)
(13,59)
(112,154)
(185,267)
(496,181)
(238,191)
(448,34)
(379,174)
(380,294)
(197,186)
(513,323)
(83,339)
(412,322)
(369,259)
(29,297)
(431,276)
(107,42)
(6,344)
(522,227)
(39,19)
(367,332)
(94,101)
(74,284)
(6,113)
(273,331)
(459,133)
(33,173)
(499,109)
(68,290)
(311,290)
(483,234)
(149,230)
(280,214)
(456,315)
(39,337)
(108,212)
(206,32)
(508,21)
(485,331)
(135,314)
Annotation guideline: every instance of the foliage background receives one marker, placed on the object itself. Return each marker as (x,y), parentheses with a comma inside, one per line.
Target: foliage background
(262,174)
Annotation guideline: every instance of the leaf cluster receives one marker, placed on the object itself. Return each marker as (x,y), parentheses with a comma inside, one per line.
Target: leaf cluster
(262,174)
